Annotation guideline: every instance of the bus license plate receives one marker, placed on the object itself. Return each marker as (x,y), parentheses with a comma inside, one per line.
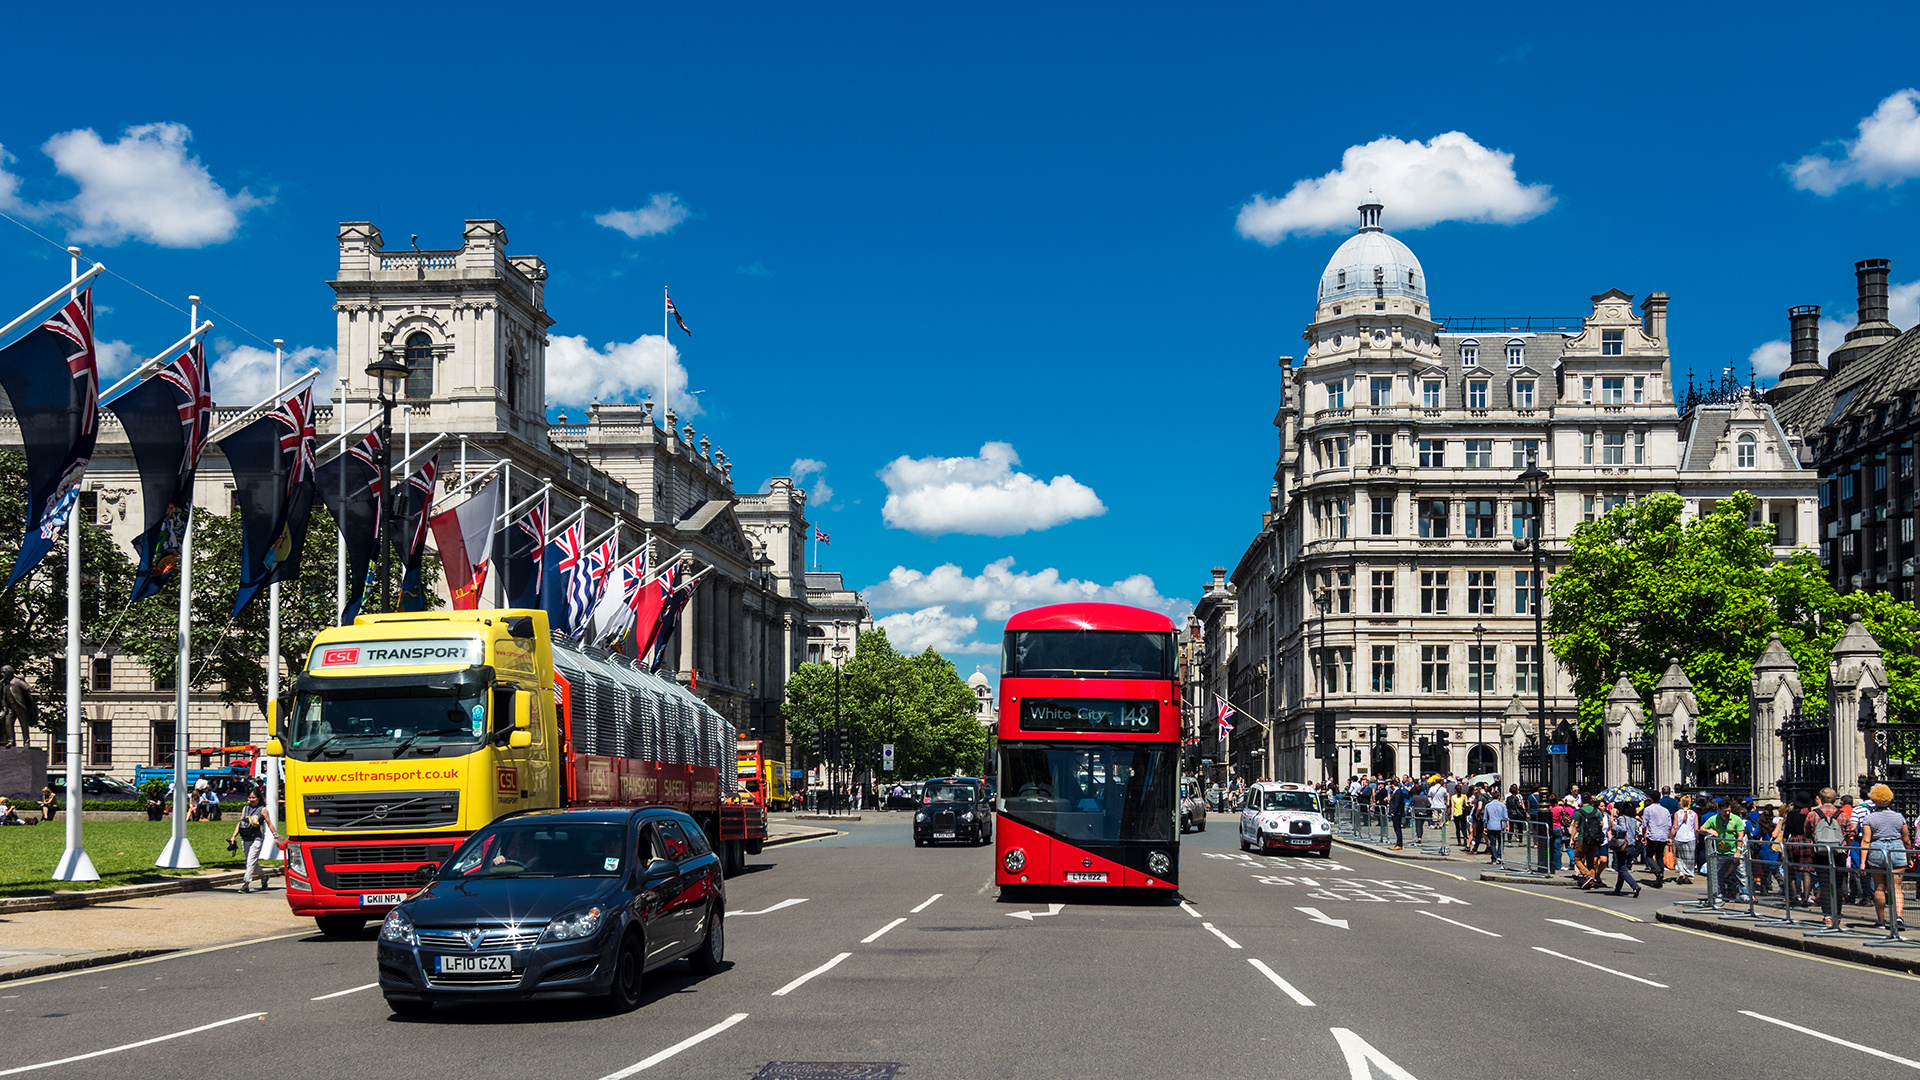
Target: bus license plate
(455,965)
(943,836)
(381,899)
(1086,875)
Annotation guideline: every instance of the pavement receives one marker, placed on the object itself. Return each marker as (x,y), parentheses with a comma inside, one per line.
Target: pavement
(858,948)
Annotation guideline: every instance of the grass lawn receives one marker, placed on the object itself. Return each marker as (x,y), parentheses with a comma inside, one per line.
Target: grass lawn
(122,851)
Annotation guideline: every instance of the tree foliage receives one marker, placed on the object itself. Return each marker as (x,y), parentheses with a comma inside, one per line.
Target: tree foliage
(1641,587)
(918,703)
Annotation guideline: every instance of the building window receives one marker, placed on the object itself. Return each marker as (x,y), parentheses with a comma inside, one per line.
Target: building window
(1525,595)
(1477,394)
(1336,393)
(1524,451)
(1586,388)
(1433,592)
(100,734)
(1826,494)
(1340,451)
(1589,508)
(1612,342)
(1479,453)
(1433,519)
(163,743)
(1339,586)
(1430,393)
(1480,669)
(1340,515)
(1586,448)
(1336,670)
(1382,669)
(419,366)
(1906,465)
(1613,391)
(1381,443)
(1639,390)
(1479,519)
(1639,448)
(1613,448)
(1846,485)
(1523,394)
(1380,393)
(1480,591)
(1613,502)
(236,733)
(1383,515)
(1341,281)
(1879,471)
(513,380)
(1432,453)
(1383,592)
(1526,670)
(1469,354)
(102,675)
(1434,669)
(813,654)
(1516,354)
(1523,525)
(1906,532)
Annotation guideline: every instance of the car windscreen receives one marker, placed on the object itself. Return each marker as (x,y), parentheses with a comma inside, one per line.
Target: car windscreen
(1288,800)
(949,793)
(1083,793)
(1088,654)
(541,849)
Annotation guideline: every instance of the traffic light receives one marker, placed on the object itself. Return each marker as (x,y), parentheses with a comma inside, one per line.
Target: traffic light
(1440,741)
(1423,746)
(1380,733)
(819,743)
(1323,726)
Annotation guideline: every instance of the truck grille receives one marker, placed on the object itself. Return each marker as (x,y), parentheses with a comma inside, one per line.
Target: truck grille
(386,810)
(376,881)
(379,853)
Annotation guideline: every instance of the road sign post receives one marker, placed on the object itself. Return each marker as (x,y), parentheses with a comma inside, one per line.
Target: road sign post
(886,757)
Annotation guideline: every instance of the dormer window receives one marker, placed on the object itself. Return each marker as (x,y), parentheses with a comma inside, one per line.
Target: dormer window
(1612,342)
(1341,282)
(1410,282)
(1516,353)
(1470,353)
(1747,451)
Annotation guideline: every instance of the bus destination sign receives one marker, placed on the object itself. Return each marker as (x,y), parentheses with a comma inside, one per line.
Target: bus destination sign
(1125,716)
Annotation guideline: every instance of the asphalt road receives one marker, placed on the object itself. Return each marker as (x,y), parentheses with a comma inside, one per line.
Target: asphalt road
(1430,977)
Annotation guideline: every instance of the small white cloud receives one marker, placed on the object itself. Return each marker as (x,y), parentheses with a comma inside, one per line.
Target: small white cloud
(1886,154)
(661,215)
(143,186)
(819,493)
(998,591)
(243,375)
(113,359)
(933,628)
(1448,178)
(578,373)
(9,183)
(1771,358)
(982,496)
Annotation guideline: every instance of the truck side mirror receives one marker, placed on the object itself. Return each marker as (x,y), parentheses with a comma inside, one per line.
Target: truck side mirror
(273,719)
(519,740)
(523,707)
(273,748)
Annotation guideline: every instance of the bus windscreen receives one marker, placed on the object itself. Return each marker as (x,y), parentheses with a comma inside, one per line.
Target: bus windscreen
(1089,794)
(1088,654)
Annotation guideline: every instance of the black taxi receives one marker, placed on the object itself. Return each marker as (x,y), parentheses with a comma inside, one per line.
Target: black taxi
(953,809)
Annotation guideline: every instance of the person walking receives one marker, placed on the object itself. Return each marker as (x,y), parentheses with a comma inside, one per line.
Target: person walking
(1495,827)
(1457,806)
(252,829)
(1622,844)
(1728,830)
(1397,807)
(1590,833)
(1686,836)
(1887,838)
(1659,828)
(1827,842)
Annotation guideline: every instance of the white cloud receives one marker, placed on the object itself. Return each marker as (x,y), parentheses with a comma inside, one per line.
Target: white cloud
(980,495)
(243,375)
(933,628)
(661,214)
(1886,154)
(578,373)
(113,359)
(1448,178)
(1903,310)
(143,186)
(999,590)
(9,183)
(819,493)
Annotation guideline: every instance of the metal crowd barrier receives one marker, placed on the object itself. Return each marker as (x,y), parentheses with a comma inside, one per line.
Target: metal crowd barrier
(1524,849)
(1433,840)
(1809,891)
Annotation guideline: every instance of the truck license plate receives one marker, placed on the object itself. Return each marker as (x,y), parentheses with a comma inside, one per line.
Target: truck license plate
(452,965)
(1086,875)
(381,899)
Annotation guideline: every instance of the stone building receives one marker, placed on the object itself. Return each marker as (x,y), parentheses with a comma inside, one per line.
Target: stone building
(471,325)
(840,615)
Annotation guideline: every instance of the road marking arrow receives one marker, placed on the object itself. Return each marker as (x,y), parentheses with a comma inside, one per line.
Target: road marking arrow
(1360,1054)
(1052,909)
(1315,914)
(1594,931)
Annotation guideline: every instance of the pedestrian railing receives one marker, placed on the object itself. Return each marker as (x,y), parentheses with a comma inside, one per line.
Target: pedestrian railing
(1524,849)
(1809,888)
(1430,830)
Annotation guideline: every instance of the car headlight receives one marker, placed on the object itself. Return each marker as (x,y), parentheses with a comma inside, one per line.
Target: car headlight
(569,927)
(966,815)
(1015,860)
(398,929)
(921,816)
(296,862)
(1159,863)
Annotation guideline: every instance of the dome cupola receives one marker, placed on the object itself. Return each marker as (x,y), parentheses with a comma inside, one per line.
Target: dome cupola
(1372,268)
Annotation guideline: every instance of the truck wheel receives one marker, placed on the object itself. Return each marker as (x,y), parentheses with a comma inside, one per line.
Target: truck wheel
(340,926)
(754,847)
(736,857)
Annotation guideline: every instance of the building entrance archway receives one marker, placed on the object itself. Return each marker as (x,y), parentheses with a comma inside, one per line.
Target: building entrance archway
(1383,760)
(1482,759)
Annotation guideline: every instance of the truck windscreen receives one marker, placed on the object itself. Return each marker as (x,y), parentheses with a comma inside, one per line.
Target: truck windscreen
(365,723)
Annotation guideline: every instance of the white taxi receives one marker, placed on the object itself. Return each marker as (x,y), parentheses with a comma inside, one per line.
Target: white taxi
(1284,817)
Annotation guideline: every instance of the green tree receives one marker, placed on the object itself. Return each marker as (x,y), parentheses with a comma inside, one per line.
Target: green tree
(1640,587)
(918,703)
(33,615)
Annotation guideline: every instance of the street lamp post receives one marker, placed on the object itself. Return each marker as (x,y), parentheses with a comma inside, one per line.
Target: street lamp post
(1324,602)
(1480,685)
(1534,479)
(390,377)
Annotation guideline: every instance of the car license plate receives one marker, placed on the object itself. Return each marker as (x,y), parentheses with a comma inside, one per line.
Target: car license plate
(943,836)
(454,965)
(1086,875)
(380,899)
(1299,843)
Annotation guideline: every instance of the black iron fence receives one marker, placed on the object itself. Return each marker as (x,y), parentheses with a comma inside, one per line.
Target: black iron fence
(1806,757)
(1892,747)
(1715,770)
(1640,762)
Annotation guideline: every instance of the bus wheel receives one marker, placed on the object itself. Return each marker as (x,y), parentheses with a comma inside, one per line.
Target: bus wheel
(340,926)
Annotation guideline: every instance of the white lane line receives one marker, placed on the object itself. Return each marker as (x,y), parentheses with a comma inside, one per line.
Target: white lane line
(1909,1063)
(928,904)
(875,936)
(1461,925)
(1231,944)
(133,1045)
(822,969)
(768,911)
(1188,908)
(1285,986)
(344,993)
(1597,967)
(650,1062)
(1585,929)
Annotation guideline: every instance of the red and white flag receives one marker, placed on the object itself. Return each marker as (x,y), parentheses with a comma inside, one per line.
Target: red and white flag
(1226,710)
(821,536)
(464,538)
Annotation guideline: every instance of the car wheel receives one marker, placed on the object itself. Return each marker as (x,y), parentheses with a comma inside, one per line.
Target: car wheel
(340,926)
(713,951)
(1202,826)
(623,995)
(1244,846)
(408,1006)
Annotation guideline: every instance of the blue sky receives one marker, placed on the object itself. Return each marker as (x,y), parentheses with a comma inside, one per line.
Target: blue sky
(986,260)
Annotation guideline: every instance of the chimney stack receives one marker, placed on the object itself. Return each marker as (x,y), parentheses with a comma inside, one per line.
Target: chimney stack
(1653,316)
(1872,330)
(1805,370)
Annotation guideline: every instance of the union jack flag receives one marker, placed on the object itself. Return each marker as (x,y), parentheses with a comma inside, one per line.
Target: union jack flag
(675,312)
(367,452)
(188,374)
(58,420)
(297,414)
(600,562)
(534,525)
(1225,724)
(575,577)
(821,536)
(420,504)
(74,322)
(636,579)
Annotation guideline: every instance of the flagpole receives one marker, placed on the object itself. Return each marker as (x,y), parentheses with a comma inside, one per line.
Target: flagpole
(74,864)
(665,363)
(178,854)
(64,294)
(340,545)
(499,573)
(269,845)
(161,359)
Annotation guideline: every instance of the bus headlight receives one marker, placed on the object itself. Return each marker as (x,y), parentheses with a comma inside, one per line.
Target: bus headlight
(1159,863)
(1015,860)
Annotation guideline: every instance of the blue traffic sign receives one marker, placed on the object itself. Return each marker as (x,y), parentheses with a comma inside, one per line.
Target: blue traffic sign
(1557,748)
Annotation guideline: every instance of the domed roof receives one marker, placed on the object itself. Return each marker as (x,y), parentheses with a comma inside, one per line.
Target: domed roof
(1372,264)
(978,679)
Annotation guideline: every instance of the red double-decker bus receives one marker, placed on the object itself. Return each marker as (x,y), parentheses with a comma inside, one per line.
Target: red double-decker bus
(1089,736)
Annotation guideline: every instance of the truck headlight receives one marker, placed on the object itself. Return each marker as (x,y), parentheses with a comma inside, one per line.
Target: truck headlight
(568,927)
(296,861)
(398,929)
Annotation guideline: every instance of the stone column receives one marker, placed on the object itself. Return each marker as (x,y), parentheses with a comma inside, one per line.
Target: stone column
(688,619)
(786,650)
(1775,695)
(1856,671)
(1624,717)
(1674,710)
(1511,733)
